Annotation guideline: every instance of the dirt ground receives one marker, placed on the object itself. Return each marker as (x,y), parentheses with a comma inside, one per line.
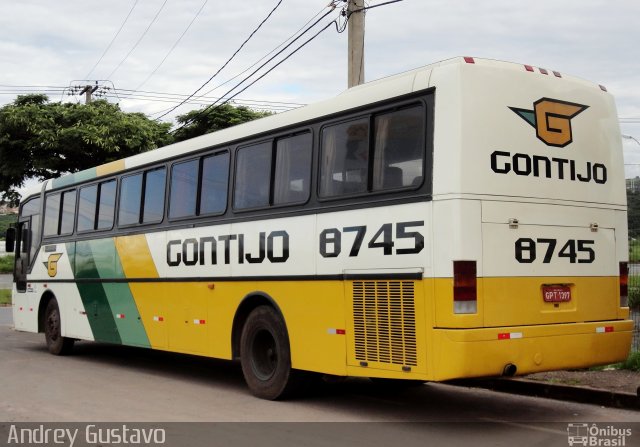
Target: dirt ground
(619,381)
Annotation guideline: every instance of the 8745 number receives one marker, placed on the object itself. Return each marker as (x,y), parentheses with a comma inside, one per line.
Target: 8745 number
(575,250)
(384,239)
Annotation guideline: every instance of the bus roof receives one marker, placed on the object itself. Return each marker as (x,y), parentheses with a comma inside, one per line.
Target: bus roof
(370,92)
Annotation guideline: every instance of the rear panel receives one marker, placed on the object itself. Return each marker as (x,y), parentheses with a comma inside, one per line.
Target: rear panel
(529,184)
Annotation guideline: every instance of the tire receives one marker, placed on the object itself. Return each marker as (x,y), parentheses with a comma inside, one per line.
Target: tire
(56,343)
(265,355)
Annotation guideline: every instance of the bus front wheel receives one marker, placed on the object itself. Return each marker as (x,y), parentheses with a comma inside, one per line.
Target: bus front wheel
(265,355)
(56,343)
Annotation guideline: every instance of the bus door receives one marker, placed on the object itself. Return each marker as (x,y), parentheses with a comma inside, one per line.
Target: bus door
(22,250)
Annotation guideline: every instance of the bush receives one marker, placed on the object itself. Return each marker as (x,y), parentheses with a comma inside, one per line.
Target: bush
(5,297)
(633,362)
(634,297)
(6,264)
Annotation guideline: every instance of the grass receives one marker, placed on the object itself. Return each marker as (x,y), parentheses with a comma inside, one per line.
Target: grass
(632,363)
(6,264)
(5,297)
(5,221)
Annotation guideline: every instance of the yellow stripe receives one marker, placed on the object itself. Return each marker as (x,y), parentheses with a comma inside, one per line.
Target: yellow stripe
(110,168)
(135,257)
(137,262)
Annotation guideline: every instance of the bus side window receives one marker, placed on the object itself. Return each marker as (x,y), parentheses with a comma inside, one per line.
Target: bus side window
(149,186)
(253,175)
(398,149)
(60,213)
(184,189)
(68,212)
(344,158)
(87,208)
(293,169)
(52,214)
(106,205)
(154,186)
(31,208)
(215,183)
(96,206)
(130,199)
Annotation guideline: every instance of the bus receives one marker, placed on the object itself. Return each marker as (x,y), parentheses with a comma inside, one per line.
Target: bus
(464,219)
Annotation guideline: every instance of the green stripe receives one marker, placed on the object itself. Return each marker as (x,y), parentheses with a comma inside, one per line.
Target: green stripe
(77,177)
(99,259)
(99,312)
(130,327)
(94,298)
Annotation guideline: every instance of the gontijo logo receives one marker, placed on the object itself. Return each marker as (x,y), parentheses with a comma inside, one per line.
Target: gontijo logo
(52,264)
(552,120)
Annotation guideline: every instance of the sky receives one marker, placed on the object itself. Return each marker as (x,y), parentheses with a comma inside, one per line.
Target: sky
(49,46)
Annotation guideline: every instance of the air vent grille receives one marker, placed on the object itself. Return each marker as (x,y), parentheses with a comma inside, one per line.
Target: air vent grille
(385,322)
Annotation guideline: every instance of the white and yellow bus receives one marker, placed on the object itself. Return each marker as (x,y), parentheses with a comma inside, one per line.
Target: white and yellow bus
(464,219)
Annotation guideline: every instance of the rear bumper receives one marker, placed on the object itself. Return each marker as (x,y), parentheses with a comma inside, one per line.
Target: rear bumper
(485,352)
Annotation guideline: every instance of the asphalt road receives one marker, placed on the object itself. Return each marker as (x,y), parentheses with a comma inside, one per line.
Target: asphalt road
(113,384)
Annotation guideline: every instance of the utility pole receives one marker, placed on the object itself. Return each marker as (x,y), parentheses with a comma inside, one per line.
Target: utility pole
(88,90)
(356,42)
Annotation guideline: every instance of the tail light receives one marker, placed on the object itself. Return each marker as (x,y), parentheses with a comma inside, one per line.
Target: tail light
(465,293)
(624,284)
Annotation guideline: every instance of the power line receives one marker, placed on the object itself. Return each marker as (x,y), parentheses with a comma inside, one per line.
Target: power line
(228,60)
(174,45)
(204,102)
(139,40)
(270,52)
(113,40)
(375,6)
(333,22)
(30,86)
(259,68)
(125,92)
(253,106)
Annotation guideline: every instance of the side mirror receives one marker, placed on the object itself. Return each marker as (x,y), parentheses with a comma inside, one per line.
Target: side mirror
(10,240)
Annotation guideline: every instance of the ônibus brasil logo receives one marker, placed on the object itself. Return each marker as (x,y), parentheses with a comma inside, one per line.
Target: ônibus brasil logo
(552,120)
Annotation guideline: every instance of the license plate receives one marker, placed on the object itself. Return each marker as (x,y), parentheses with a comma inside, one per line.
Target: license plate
(556,294)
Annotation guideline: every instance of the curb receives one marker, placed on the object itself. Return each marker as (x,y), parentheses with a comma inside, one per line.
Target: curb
(554,391)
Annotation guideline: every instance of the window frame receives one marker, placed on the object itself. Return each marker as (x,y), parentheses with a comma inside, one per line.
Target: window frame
(61,193)
(200,158)
(371,115)
(143,188)
(230,162)
(96,212)
(273,140)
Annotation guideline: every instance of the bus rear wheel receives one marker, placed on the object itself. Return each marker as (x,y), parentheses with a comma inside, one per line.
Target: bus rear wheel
(56,343)
(265,355)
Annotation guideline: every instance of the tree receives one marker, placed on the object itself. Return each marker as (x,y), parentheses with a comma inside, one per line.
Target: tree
(197,122)
(40,139)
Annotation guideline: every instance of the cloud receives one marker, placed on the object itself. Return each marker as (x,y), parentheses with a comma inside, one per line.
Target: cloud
(53,43)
